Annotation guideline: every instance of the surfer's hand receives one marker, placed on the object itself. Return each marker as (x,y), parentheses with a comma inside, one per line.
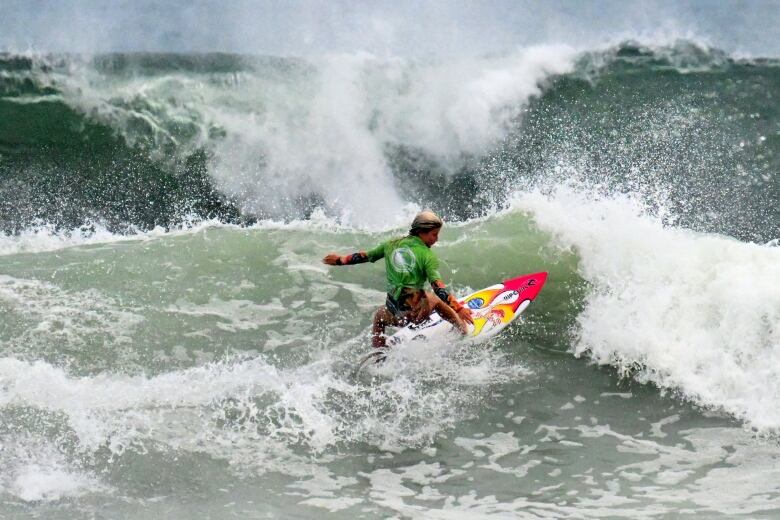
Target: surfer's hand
(332,259)
(464,313)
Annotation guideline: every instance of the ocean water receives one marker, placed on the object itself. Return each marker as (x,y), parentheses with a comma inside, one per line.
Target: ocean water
(171,345)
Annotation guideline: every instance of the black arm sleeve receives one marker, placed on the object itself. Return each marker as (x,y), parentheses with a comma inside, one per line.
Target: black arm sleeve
(442,293)
(354,258)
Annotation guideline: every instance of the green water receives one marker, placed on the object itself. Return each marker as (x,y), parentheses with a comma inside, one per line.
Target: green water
(208,373)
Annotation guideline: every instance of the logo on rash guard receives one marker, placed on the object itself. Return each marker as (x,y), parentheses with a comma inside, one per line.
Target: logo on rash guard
(403,260)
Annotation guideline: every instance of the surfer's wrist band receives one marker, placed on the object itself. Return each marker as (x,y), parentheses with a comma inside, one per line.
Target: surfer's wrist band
(441,291)
(354,258)
(455,304)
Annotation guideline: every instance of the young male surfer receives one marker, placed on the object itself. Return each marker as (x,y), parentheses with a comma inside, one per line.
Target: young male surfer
(409,263)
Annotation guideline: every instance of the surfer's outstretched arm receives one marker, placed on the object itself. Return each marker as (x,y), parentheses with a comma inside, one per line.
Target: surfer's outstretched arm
(351,259)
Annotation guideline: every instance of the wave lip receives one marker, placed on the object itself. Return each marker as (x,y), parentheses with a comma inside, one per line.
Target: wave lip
(278,137)
(145,140)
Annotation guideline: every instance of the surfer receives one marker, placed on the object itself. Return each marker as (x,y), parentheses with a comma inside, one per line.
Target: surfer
(409,263)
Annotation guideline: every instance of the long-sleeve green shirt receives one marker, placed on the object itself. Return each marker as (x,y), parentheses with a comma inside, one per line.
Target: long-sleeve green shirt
(408,263)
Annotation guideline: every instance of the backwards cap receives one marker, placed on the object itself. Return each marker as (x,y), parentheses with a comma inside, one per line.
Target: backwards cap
(425,221)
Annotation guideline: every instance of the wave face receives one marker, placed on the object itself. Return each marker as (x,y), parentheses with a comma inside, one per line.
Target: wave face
(692,313)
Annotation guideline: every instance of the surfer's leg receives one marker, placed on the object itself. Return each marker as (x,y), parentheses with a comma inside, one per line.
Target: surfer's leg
(382,319)
(420,307)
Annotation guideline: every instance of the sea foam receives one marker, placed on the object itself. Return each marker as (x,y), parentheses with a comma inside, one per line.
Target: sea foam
(694,312)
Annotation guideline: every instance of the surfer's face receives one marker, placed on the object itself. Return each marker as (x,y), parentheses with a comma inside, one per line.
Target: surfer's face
(430,237)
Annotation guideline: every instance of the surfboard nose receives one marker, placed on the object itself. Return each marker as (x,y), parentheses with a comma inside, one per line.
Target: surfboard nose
(528,285)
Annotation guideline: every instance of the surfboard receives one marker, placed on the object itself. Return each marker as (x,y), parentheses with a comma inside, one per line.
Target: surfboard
(493,309)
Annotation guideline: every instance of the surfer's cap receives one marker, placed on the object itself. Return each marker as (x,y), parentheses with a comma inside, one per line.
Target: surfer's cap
(425,221)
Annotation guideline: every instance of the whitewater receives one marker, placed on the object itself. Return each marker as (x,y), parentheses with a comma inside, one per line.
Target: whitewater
(171,345)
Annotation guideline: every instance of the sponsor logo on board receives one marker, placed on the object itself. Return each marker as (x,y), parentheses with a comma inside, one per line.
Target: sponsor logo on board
(496,317)
(507,297)
(475,303)
(526,285)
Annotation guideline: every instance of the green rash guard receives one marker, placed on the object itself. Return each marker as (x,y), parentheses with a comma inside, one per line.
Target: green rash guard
(408,263)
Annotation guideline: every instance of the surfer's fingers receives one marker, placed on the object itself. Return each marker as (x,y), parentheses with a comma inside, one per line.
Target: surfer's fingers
(465,314)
